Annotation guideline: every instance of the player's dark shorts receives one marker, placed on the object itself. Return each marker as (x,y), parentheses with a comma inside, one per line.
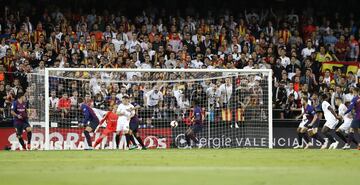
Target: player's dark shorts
(355,123)
(20,126)
(134,124)
(196,128)
(93,124)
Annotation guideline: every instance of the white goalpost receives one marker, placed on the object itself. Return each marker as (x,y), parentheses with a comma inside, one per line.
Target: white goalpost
(236,105)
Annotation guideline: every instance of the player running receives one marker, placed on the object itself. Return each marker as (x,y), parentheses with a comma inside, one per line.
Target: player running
(197,120)
(134,130)
(344,129)
(125,112)
(355,123)
(21,122)
(111,121)
(331,121)
(309,117)
(91,121)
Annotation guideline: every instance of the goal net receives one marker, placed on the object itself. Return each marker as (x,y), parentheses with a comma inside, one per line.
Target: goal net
(236,106)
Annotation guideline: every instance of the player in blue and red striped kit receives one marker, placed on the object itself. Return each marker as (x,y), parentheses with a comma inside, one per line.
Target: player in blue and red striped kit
(21,122)
(355,124)
(91,121)
(196,127)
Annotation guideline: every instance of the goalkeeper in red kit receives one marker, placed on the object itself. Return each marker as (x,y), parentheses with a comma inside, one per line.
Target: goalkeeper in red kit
(111,121)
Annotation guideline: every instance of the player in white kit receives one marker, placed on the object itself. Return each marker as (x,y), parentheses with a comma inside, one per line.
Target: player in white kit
(331,121)
(344,129)
(125,111)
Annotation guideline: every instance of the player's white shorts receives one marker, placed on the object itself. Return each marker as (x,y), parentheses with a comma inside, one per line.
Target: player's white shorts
(303,123)
(331,124)
(122,124)
(345,127)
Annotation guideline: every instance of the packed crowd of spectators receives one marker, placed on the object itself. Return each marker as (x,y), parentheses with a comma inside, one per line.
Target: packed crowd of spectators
(293,45)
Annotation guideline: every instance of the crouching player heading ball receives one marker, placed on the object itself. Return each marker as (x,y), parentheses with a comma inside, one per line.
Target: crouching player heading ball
(111,121)
(21,123)
(197,126)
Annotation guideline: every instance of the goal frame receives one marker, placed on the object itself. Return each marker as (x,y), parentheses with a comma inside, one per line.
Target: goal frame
(47,94)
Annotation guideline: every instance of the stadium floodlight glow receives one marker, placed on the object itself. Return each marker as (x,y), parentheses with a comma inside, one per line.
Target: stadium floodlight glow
(236,104)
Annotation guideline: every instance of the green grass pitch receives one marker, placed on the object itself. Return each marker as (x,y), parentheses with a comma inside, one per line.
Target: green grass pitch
(185,167)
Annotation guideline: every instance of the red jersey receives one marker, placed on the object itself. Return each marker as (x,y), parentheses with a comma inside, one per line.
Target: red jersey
(64,103)
(111,120)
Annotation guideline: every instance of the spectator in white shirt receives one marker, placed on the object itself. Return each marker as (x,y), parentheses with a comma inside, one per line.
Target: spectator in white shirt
(53,100)
(146,64)
(291,90)
(171,62)
(132,43)
(306,52)
(235,52)
(284,60)
(117,42)
(250,64)
(197,63)
(74,99)
(225,92)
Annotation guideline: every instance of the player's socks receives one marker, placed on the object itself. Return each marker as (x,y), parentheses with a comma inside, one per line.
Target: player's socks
(300,136)
(88,138)
(21,141)
(319,138)
(127,136)
(192,137)
(132,140)
(330,137)
(187,138)
(29,135)
(117,140)
(141,142)
(306,137)
(341,136)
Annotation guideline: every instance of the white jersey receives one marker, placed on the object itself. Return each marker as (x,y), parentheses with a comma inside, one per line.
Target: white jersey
(124,120)
(327,114)
(125,110)
(342,109)
(331,120)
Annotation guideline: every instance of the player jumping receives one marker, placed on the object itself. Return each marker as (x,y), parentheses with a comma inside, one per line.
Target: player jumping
(309,117)
(90,120)
(21,123)
(111,121)
(125,112)
(344,129)
(331,121)
(197,120)
(355,124)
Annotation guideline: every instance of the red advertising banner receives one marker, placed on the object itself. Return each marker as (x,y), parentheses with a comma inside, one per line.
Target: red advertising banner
(73,139)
